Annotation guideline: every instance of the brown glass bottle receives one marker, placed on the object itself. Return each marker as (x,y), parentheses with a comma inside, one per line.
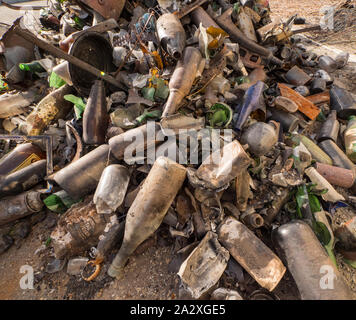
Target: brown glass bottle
(95,118)
(23,179)
(20,157)
(51,107)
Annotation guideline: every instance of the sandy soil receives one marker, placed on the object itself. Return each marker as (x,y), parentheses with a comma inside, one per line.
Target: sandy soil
(343,34)
(308,9)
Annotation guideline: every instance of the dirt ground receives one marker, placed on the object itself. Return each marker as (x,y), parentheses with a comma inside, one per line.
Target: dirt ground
(309,9)
(343,33)
(148,274)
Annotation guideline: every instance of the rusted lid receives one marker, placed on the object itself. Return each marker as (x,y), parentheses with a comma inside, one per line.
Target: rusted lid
(107,8)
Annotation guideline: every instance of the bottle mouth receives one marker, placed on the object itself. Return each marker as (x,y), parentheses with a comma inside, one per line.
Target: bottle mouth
(257,221)
(176,55)
(33,201)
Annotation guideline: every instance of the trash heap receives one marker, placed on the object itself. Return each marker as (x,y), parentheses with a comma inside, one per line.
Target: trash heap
(78,89)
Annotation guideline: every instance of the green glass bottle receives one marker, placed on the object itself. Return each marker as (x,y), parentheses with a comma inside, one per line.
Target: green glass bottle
(34,67)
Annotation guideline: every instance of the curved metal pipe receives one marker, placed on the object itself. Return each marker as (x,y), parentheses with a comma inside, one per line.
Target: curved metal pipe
(236,35)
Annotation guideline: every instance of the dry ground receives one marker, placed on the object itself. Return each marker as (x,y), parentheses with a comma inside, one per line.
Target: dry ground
(343,35)
(309,9)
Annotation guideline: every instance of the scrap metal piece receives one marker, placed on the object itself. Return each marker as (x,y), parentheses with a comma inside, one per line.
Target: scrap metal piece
(94,49)
(320,98)
(72,59)
(199,15)
(304,105)
(106,8)
(297,76)
(249,59)
(100,27)
(237,36)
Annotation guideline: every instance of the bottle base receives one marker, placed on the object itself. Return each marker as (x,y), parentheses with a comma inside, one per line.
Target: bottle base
(114,272)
